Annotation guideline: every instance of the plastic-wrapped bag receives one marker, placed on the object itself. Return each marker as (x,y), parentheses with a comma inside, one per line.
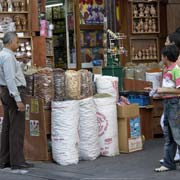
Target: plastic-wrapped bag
(29,84)
(59,84)
(86,83)
(72,83)
(43,85)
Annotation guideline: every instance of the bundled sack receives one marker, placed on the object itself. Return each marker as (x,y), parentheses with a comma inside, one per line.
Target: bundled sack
(59,84)
(29,84)
(109,85)
(89,148)
(29,76)
(64,128)
(107,122)
(73,84)
(86,83)
(43,85)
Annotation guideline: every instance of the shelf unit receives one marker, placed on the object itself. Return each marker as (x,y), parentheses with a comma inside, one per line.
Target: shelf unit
(145,17)
(56,15)
(20,15)
(144,31)
(144,49)
(89,34)
(49,53)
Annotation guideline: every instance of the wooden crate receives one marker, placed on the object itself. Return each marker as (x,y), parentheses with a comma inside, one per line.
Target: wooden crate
(135,85)
(146,121)
(37,129)
(157,113)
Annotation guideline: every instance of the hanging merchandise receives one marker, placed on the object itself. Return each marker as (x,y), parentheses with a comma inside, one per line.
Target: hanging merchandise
(65,138)
(86,83)
(72,83)
(109,85)
(59,84)
(107,122)
(89,148)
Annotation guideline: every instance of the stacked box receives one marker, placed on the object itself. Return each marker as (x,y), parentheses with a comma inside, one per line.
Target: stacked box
(129,127)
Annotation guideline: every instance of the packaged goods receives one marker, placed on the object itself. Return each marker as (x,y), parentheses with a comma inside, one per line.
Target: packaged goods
(29,84)
(72,83)
(43,85)
(86,83)
(59,84)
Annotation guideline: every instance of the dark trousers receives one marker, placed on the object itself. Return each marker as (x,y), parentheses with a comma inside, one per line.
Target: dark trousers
(13,129)
(171,131)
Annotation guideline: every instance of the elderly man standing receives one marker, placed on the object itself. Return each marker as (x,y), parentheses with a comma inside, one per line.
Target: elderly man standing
(12,83)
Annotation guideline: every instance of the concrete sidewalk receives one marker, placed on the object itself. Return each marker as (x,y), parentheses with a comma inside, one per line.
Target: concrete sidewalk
(134,166)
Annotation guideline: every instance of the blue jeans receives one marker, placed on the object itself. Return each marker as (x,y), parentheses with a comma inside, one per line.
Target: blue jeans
(171,131)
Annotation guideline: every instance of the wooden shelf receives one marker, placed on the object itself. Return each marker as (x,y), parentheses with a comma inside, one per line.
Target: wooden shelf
(147,46)
(91,26)
(15,12)
(145,17)
(145,32)
(143,1)
(50,55)
(145,59)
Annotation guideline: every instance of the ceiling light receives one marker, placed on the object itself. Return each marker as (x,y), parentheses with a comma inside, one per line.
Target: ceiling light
(54,5)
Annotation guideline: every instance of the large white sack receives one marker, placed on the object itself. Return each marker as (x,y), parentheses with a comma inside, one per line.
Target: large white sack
(109,85)
(108,128)
(65,138)
(89,148)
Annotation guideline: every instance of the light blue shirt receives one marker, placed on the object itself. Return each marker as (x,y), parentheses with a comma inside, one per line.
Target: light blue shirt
(11,73)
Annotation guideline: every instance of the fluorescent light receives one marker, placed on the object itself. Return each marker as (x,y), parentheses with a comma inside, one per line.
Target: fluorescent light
(54,5)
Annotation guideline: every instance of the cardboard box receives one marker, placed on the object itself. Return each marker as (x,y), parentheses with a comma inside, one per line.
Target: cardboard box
(129,128)
(128,111)
(97,70)
(135,144)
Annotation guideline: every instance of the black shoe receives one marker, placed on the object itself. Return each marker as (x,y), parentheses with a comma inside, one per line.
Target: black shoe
(177,161)
(4,165)
(23,166)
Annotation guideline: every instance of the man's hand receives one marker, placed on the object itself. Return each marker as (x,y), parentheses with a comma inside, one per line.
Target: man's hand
(20,106)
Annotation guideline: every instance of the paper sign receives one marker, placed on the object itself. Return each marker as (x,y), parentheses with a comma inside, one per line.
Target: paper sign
(34,106)
(27,112)
(34,128)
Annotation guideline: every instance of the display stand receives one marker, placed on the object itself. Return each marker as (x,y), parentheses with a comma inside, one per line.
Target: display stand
(114,51)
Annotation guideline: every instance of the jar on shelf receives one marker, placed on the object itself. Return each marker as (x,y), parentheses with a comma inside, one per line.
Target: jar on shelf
(129,72)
